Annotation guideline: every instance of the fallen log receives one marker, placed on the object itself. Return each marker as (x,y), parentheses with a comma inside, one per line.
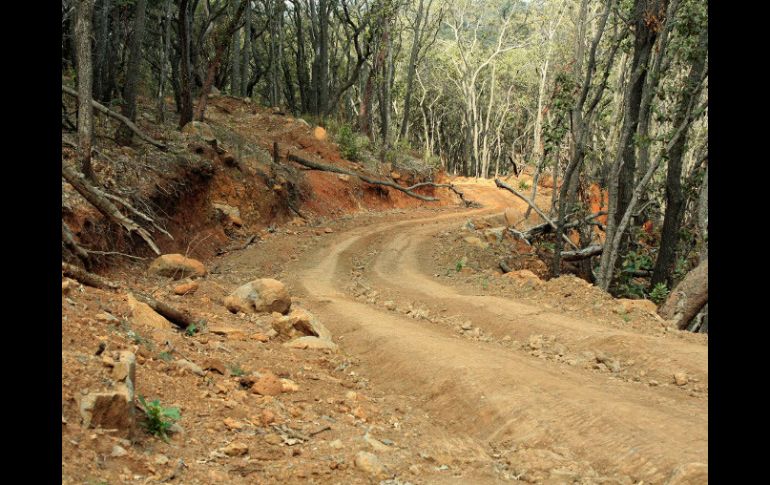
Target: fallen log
(87,278)
(179,318)
(69,241)
(369,180)
(100,107)
(98,200)
(585,253)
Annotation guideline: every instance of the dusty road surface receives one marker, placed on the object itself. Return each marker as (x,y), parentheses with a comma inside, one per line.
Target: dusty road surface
(504,400)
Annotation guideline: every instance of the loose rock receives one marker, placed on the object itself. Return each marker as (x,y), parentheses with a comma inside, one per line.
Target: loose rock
(142,314)
(258,296)
(235,449)
(176,266)
(370,464)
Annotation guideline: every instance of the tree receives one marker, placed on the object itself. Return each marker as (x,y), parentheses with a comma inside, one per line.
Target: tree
(185,74)
(85,79)
(664,264)
(128,108)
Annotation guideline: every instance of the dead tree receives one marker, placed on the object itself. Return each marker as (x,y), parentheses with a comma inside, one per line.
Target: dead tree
(98,199)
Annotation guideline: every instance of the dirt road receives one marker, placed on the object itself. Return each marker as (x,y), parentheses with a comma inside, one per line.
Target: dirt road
(505,400)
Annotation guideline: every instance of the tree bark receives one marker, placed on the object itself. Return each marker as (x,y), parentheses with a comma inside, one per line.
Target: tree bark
(235,63)
(688,297)
(102,44)
(220,42)
(646,31)
(164,61)
(664,264)
(185,74)
(85,79)
(412,66)
(128,107)
(246,52)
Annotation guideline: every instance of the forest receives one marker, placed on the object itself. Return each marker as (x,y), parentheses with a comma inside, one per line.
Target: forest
(384,241)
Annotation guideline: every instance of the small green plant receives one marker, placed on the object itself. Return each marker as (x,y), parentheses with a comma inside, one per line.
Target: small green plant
(523,185)
(460,265)
(159,418)
(165,356)
(347,142)
(659,293)
(191,330)
(236,370)
(626,317)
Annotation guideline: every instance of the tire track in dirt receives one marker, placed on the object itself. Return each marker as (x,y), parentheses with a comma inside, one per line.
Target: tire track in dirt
(495,395)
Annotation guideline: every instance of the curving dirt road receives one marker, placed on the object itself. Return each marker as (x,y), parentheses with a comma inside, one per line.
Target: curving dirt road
(506,400)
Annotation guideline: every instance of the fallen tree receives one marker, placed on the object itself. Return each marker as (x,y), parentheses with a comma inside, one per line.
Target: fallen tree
(180,318)
(688,297)
(113,114)
(503,185)
(407,190)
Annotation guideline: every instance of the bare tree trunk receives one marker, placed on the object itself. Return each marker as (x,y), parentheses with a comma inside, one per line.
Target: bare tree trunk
(387,74)
(688,297)
(246,52)
(235,63)
(128,108)
(185,74)
(411,68)
(85,78)
(703,213)
(220,42)
(102,44)
(164,61)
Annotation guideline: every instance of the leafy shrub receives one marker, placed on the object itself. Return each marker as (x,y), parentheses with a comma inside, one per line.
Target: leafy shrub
(159,418)
(659,293)
(523,185)
(346,139)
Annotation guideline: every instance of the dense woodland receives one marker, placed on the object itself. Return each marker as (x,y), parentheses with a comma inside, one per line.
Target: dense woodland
(607,92)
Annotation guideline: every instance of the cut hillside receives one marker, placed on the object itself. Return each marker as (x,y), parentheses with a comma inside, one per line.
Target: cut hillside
(218,183)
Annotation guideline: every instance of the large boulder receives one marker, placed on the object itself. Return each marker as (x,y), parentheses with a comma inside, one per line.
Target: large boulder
(259,296)
(177,266)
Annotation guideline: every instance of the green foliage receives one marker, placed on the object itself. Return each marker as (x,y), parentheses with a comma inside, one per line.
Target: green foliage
(628,285)
(523,185)
(236,370)
(191,330)
(659,293)
(346,139)
(159,418)
(460,265)
(166,356)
